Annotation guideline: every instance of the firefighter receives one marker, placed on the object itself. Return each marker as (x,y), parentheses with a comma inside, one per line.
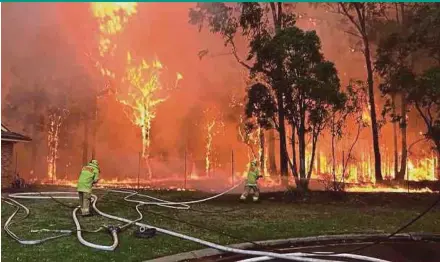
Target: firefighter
(88,177)
(251,183)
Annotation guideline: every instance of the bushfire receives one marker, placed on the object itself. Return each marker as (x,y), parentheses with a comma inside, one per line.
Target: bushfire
(143,83)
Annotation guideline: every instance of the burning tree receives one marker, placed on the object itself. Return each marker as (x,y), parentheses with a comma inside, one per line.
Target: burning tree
(304,87)
(143,96)
(395,63)
(142,78)
(260,109)
(311,89)
(255,21)
(363,17)
(409,61)
(212,127)
(56,118)
(112,17)
(339,115)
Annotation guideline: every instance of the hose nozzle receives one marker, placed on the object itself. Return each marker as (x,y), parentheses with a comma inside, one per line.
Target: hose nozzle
(112,229)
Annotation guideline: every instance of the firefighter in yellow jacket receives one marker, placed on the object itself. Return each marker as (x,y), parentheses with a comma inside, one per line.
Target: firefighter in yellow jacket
(251,183)
(88,177)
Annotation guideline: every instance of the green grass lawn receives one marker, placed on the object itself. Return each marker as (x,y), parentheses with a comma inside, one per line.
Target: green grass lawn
(273,218)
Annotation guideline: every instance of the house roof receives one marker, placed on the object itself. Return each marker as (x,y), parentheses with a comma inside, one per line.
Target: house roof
(8,135)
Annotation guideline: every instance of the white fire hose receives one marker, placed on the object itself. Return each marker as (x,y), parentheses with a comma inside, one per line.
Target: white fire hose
(261,255)
(357,257)
(203,242)
(28,242)
(113,231)
(48,195)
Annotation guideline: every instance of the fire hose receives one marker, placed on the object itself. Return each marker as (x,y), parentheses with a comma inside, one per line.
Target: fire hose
(298,256)
(203,242)
(330,254)
(28,242)
(165,203)
(160,202)
(113,232)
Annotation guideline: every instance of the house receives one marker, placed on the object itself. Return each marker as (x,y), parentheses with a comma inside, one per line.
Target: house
(9,138)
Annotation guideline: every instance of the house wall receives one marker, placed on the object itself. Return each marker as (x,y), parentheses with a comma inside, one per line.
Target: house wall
(7,158)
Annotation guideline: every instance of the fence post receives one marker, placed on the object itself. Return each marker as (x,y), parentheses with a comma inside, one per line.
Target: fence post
(407,176)
(139,168)
(184,184)
(16,162)
(232,166)
(343,166)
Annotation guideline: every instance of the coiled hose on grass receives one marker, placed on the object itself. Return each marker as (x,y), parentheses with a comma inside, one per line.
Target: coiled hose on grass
(157,202)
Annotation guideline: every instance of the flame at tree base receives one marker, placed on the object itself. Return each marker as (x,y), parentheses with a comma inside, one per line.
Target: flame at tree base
(219,184)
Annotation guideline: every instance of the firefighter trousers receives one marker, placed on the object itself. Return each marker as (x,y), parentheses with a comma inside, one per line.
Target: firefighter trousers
(84,201)
(247,190)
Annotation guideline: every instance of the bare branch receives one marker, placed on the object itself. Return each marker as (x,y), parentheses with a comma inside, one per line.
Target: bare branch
(280,12)
(429,114)
(351,149)
(361,17)
(274,14)
(234,52)
(427,122)
(416,142)
(349,16)
(352,33)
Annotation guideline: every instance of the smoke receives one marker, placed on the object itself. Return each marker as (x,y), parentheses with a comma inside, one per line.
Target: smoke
(47,44)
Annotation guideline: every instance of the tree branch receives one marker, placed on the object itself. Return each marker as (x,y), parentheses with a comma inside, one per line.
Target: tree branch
(428,124)
(312,159)
(361,17)
(351,149)
(349,16)
(429,114)
(280,13)
(234,52)
(353,34)
(274,15)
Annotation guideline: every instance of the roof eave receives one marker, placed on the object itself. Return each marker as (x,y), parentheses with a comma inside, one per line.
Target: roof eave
(16,140)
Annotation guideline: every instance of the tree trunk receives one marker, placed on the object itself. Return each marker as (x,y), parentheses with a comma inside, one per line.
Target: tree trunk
(282,132)
(302,185)
(437,170)
(374,127)
(302,149)
(437,150)
(334,163)
(318,166)
(34,152)
(94,129)
(86,141)
(293,142)
(263,151)
(396,155)
(272,161)
(403,125)
(312,158)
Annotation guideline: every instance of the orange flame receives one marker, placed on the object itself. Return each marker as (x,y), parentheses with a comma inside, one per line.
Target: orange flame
(56,121)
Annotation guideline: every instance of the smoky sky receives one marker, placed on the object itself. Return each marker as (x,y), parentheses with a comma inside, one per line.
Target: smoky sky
(43,42)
